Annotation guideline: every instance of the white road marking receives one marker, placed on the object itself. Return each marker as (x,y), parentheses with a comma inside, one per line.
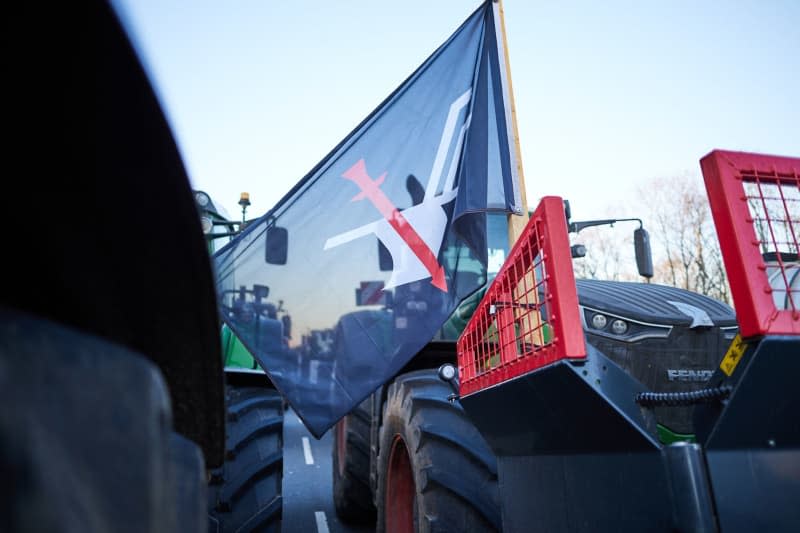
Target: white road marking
(322,522)
(307,451)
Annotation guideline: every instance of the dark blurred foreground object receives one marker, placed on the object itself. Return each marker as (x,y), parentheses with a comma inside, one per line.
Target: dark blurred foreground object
(112,380)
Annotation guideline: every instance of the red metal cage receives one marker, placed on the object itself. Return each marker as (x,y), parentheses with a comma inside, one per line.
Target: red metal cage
(529,316)
(755,201)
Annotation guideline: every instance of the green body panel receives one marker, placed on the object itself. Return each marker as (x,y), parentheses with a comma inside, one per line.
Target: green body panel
(452,329)
(455,325)
(667,436)
(234,353)
(497,240)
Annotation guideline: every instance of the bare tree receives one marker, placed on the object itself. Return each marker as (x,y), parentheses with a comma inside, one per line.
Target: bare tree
(776,216)
(686,248)
(682,225)
(609,254)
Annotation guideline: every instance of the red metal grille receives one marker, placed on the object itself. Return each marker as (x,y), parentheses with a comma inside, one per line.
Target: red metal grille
(755,200)
(529,316)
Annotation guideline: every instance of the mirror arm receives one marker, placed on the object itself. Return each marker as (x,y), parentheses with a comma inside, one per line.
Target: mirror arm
(575,227)
(217,235)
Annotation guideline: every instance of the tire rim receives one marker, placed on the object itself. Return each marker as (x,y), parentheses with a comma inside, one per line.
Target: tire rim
(400,490)
(341,445)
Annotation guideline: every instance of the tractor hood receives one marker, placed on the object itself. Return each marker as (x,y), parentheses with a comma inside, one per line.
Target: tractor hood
(654,304)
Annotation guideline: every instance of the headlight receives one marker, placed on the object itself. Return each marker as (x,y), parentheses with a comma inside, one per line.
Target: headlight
(447,372)
(619,327)
(202,199)
(207,225)
(603,324)
(599,321)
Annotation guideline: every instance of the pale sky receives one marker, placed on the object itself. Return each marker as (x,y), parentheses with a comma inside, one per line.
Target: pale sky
(609,94)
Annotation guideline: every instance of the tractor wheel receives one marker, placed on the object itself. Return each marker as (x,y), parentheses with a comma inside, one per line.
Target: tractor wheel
(352,497)
(435,471)
(245,493)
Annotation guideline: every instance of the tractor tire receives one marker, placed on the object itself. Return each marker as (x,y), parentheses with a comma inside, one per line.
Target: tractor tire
(435,470)
(352,497)
(245,492)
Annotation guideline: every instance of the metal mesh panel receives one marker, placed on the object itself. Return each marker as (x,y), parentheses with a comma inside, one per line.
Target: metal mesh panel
(529,315)
(774,205)
(755,200)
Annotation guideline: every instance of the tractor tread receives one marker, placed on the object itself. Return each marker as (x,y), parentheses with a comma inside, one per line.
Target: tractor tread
(264,427)
(454,470)
(242,407)
(352,495)
(245,493)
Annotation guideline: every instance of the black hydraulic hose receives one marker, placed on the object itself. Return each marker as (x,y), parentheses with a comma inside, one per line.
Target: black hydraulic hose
(656,399)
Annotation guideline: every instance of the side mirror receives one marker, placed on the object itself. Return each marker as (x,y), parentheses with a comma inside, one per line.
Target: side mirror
(644,257)
(261,292)
(567,211)
(577,251)
(277,246)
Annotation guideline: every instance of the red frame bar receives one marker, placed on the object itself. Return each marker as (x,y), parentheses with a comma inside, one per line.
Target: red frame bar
(545,237)
(725,174)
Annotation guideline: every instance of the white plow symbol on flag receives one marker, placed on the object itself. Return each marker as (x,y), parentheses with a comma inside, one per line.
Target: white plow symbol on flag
(413,236)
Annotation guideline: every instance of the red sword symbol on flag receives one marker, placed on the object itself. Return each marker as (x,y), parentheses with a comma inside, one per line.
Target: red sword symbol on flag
(371,189)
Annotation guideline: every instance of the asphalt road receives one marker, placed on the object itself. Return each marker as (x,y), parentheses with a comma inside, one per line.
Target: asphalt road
(307,482)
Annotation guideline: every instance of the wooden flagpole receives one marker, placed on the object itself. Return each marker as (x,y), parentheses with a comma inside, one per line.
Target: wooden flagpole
(516,223)
(529,329)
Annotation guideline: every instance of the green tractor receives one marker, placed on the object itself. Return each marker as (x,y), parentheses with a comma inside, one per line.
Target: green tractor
(253,465)
(272,321)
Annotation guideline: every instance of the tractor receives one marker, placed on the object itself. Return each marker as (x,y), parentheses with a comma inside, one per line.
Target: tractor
(411,456)
(586,405)
(586,452)
(246,491)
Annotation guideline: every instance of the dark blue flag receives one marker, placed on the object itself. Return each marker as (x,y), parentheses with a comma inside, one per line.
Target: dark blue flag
(338,286)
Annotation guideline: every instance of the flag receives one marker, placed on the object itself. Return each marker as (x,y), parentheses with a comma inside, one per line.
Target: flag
(354,271)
